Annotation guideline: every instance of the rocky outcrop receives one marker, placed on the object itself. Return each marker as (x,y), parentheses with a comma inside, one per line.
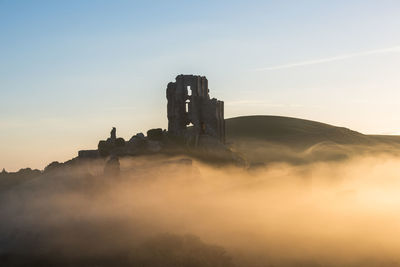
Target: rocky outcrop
(52,166)
(88,154)
(113,134)
(11,179)
(139,144)
(155,134)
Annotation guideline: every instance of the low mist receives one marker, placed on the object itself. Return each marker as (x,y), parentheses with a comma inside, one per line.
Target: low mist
(165,212)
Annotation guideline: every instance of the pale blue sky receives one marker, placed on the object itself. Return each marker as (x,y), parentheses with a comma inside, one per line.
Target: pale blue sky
(70,70)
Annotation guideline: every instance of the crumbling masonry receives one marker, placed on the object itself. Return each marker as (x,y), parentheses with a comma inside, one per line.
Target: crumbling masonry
(189,103)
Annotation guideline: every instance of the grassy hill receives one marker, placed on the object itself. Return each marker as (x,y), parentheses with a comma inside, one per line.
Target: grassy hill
(297,131)
(275,138)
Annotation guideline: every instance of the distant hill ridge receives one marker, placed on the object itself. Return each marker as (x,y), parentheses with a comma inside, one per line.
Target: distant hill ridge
(298,132)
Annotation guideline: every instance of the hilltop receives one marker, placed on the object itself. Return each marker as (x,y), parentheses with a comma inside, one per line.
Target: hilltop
(263,139)
(299,132)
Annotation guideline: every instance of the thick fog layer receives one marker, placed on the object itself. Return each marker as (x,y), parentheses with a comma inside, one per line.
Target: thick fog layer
(166,212)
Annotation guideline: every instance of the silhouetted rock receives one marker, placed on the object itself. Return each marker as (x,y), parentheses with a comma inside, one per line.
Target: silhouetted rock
(52,166)
(11,179)
(113,134)
(155,134)
(140,135)
(112,146)
(28,172)
(88,154)
(105,148)
(119,142)
(137,138)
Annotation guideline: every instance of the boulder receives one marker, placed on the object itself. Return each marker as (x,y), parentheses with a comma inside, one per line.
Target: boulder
(119,142)
(155,134)
(105,148)
(137,139)
(52,166)
(140,135)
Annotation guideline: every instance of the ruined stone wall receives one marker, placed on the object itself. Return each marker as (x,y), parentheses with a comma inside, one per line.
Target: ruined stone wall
(177,119)
(189,103)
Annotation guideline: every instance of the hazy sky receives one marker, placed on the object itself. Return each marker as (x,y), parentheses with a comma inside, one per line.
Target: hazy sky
(70,70)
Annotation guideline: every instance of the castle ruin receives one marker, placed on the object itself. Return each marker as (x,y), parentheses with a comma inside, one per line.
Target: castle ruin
(193,117)
(189,104)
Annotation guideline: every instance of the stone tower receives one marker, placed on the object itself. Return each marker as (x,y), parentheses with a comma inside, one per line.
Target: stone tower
(189,103)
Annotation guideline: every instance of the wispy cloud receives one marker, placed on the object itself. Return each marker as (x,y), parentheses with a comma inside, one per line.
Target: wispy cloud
(395,49)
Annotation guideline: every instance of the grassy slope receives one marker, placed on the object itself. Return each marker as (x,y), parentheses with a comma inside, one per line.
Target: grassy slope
(295,131)
(264,139)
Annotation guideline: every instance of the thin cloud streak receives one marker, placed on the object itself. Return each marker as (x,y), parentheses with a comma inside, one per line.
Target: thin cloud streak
(395,49)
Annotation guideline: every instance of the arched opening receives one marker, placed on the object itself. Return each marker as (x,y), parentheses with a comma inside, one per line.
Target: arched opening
(187,106)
